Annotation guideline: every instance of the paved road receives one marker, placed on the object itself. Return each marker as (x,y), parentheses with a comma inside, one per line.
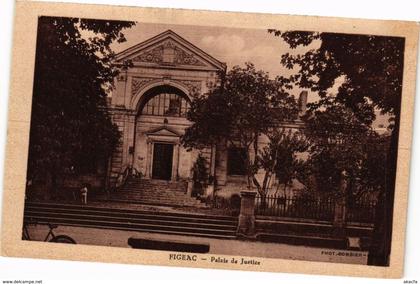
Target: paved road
(117,238)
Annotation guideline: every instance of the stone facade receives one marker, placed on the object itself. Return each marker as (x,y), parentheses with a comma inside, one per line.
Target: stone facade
(164,61)
(162,64)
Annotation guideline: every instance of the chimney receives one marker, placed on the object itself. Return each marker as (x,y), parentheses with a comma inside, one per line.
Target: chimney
(303,99)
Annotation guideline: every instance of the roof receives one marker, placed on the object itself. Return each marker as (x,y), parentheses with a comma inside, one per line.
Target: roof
(169,49)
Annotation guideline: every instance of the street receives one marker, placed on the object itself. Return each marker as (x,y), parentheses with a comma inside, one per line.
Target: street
(118,238)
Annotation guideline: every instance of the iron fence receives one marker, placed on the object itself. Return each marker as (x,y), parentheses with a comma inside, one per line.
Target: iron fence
(361,211)
(295,207)
(317,208)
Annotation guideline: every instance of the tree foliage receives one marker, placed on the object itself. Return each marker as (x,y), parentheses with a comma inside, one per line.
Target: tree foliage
(370,66)
(279,157)
(370,69)
(246,105)
(70,126)
(200,175)
(339,142)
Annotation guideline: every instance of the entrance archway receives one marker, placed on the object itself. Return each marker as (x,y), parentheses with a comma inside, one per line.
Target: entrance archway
(159,124)
(164,101)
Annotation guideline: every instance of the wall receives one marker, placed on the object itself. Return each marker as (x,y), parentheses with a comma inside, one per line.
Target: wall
(129,94)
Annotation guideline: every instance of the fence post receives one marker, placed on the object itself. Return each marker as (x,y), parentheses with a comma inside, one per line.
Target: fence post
(246,221)
(339,224)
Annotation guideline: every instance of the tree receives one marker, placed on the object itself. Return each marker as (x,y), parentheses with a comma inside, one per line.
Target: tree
(337,139)
(245,106)
(70,125)
(340,142)
(371,69)
(200,175)
(279,157)
(374,166)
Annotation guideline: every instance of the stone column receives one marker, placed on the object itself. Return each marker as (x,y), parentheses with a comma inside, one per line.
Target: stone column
(190,180)
(339,223)
(175,162)
(118,96)
(131,127)
(246,222)
(149,157)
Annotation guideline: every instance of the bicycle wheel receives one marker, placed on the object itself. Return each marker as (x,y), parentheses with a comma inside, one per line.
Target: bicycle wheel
(25,234)
(63,239)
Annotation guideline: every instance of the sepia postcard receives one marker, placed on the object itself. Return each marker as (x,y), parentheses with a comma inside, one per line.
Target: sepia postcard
(209,139)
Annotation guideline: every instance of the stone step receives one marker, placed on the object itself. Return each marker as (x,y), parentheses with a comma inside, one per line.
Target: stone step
(155,192)
(155,181)
(144,185)
(153,195)
(89,209)
(133,187)
(176,200)
(152,192)
(190,224)
(149,186)
(136,220)
(156,203)
(154,189)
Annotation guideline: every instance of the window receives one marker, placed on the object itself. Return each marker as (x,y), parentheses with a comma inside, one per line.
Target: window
(166,104)
(236,164)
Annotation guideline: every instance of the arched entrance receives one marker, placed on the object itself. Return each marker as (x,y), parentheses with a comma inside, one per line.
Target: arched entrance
(165,101)
(160,122)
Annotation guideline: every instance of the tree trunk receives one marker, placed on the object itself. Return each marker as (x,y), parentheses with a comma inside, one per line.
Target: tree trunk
(263,197)
(284,189)
(382,234)
(249,174)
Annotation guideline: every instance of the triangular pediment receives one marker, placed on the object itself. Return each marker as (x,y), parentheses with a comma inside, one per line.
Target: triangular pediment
(169,49)
(163,131)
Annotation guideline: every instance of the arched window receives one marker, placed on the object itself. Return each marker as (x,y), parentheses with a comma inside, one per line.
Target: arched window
(166,102)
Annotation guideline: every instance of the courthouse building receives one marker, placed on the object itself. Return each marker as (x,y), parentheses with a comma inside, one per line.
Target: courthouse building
(149,105)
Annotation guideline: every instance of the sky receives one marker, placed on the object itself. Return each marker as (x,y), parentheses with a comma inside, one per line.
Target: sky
(232,46)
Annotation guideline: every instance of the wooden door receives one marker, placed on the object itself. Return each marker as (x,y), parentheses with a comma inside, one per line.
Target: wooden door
(162,161)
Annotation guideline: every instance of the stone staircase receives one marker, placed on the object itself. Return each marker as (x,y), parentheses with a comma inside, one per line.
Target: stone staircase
(178,223)
(155,192)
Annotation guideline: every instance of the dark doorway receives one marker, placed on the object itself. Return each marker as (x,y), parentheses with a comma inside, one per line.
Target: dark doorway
(162,161)
(236,164)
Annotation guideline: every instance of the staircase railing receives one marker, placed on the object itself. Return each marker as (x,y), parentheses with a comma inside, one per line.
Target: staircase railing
(128,172)
(122,178)
(135,173)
